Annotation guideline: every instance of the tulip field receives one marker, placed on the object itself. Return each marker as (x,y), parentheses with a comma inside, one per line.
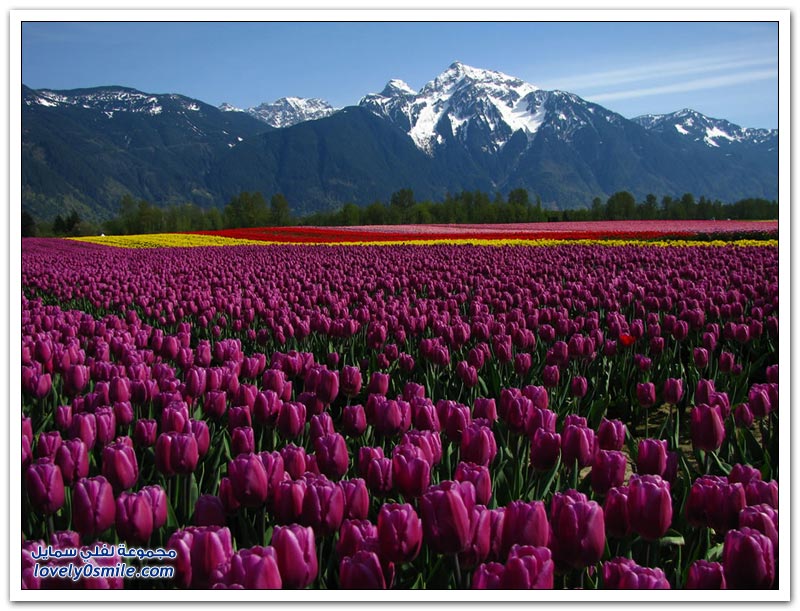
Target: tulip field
(485,409)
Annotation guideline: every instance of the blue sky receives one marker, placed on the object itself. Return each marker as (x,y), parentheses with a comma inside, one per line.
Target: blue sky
(723,69)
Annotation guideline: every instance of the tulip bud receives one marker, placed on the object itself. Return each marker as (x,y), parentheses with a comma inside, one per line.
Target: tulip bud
(577,444)
(255,568)
(354,536)
(354,420)
(528,568)
(297,555)
(45,486)
(611,434)
(134,517)
(120,466)
(446,517)
(616,514)
(608,470)
(248,479)
(579,386)
(545,449)
(708,429)
(673,390)
(524,523)
(379,476)
(577,530)
(361,571)
(93,507)
(332,455)
(488,576)
(625,574)
(478,445)
(399,532)
(651,458)
(323,505)
(479,476)
(242,440)
(748,560)
(705,575)
(291,419)
(649,506)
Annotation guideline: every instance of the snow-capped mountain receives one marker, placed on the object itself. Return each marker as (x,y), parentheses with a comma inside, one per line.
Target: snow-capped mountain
(109,100)
(286,112)
(458,102)
(467,129)
(700,128)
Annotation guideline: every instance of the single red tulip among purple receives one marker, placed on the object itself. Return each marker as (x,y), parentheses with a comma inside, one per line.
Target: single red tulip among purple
(297,555)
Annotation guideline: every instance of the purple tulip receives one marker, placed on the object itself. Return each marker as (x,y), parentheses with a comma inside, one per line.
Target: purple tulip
(332,456)
(707,426)
(297,555)
(323,505)
(291,419)
(616,513)
(577,445)
(45,486)
(353,536)
(625,574)
(48,443)
(528,568)
(748,560)
(524,523)
(763,518)
(608,470)
(551,376)
(478,444)
(488,576)
(651,458)
(356,498)
(255,568)
(288,500)
(579,386)
(479,476)
(362,571)
(577,530)
(545,449)
(176,453)
(646,394)
(93,508)
(610,434)
(705,575)
(73,460)
(411,471)
(445,512)
(354,420)
(649,506)
(248,479)
(120,466)
(673,390)
(399,532)
(134,517)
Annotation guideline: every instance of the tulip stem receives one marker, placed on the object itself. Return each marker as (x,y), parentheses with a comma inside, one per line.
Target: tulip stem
(458,571)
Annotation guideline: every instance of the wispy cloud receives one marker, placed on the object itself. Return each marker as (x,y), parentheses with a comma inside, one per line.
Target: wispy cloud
(660,70)
(712,82)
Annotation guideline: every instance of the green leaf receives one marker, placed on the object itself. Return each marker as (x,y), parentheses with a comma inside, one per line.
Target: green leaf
(715,553)
(172,521)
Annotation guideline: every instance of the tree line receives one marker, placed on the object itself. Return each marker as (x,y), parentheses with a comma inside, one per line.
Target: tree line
(251,209)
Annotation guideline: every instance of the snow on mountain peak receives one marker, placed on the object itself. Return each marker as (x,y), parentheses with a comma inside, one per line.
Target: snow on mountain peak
(465,98)
(288,111)
(700,128)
